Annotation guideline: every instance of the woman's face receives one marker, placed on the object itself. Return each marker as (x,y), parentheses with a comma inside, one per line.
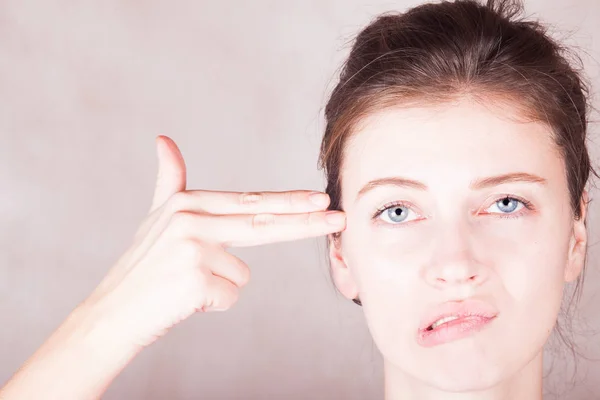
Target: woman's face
(454,237)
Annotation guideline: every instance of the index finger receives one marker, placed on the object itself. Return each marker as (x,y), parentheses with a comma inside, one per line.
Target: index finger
(222,202)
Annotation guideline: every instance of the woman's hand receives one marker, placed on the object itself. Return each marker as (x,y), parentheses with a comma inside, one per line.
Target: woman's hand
(178,264)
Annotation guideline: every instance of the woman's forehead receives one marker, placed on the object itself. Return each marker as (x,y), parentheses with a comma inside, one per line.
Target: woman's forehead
(449,145)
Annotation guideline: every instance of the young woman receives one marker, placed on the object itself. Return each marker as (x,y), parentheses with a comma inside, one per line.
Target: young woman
(455,153)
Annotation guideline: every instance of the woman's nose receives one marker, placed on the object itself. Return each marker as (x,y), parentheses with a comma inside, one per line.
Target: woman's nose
(456,272)
(453,261)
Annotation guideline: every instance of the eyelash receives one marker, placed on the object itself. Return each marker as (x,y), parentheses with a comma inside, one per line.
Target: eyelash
(527,205)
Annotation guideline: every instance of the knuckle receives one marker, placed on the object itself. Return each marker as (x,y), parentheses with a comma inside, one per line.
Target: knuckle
(247,198)
(191,249)
(231,296)
(225,299)
(289,198)
(203,277)
(309,219)
(177,202)
(180,222)
(263,220)
(244,275)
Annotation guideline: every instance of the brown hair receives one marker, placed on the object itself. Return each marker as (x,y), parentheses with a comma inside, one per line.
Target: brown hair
(434,53)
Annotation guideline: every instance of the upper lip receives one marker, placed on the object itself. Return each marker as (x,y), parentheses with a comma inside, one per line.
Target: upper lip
(464,308)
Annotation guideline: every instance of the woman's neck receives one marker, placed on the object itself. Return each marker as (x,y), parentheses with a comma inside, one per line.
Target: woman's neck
(526,384)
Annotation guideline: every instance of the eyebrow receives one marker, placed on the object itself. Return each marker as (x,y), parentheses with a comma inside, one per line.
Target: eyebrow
(478,184)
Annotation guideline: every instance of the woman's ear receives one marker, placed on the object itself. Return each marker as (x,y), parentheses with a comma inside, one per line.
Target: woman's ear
(343,279)
(577,243)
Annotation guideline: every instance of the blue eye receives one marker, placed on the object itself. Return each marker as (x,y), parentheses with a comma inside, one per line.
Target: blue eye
(398,212)
(507,204)
(394,213)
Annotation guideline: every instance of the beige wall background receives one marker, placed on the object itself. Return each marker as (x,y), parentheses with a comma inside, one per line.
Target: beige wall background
(85,87)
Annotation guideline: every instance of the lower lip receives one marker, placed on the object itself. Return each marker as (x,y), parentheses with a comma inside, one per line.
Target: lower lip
(453,330)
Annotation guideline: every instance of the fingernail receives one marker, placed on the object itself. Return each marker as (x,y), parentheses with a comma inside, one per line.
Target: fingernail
(335,217)
(320,199)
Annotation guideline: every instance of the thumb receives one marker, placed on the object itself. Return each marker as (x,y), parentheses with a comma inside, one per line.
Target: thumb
(171,177)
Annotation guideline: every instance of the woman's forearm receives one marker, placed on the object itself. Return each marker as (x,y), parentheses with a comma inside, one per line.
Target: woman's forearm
(79,361)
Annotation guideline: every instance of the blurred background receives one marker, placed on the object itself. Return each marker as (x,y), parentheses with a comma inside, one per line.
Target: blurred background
(85,87)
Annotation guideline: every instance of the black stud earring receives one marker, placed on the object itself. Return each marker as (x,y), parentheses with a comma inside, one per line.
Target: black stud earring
(357,301)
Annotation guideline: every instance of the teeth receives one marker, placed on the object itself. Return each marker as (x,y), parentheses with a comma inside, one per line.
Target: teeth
(441,321)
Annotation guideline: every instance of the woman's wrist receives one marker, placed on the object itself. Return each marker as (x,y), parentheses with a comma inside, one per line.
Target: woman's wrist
(99,332)
(78,361)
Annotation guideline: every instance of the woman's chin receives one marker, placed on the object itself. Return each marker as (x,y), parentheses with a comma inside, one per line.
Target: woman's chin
(466,375)
(462,366)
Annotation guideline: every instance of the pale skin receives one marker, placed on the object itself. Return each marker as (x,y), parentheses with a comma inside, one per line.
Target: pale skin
(448,250)
(456,242)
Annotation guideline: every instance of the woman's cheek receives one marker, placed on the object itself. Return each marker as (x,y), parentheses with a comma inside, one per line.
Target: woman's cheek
(388,269)
(535,266)
(387,258)
(391,301)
